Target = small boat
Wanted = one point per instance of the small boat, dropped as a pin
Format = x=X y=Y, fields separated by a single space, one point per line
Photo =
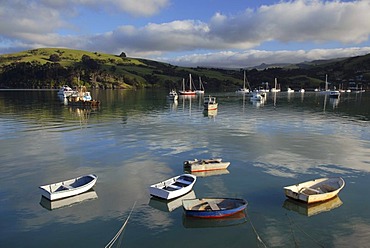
x=210 y=103
x=69 y=187
x=205 y=164
x=334 y=94
x=232 y=220
x=173 y=187
x=65 y=91
x=257 y=96
x=173 y=95
x=289 y=90
x=213 y=207
x=317 y=190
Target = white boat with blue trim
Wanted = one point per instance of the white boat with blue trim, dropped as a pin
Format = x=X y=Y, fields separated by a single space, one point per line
x=173 y=187
x=69 y=187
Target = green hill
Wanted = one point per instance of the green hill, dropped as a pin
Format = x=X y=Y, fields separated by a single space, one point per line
x=53 y=67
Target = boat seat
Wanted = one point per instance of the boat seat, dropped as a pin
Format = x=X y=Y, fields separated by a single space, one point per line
x=213 y=206
x=183 y=181
x=67 y=187
x=174 y=186
x=310 y=191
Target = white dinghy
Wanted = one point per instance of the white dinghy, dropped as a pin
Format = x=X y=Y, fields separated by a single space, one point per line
x=173 y=187
x=68 y=188
x=317 y=190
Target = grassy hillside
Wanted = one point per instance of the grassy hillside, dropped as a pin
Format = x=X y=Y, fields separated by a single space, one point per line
x=53 y=67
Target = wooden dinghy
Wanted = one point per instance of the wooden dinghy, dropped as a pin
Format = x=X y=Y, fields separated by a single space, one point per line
x=68 y=188
x=173 y=187
x=213 y=207
x=317 y=190
x=206 y=164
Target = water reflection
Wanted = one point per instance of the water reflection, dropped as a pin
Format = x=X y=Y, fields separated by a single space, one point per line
x=312 y=209
x=210 y=113
x=67 y=202
x=208 y=173
x=169 y=206
x=233 y=220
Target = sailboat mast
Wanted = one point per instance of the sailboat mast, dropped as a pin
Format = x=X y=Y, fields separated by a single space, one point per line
x=190 y=81
x=244 y=80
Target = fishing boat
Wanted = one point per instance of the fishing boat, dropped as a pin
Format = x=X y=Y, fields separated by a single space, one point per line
x=173 y=187
x=189 y=91
x=173 y=95
x=210 y=103
x=316 y=190
x=205 y=164
x=69 y=187
x=213 y=207
x=65 y=91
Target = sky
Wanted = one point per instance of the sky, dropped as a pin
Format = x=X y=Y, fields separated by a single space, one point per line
x=206 y=33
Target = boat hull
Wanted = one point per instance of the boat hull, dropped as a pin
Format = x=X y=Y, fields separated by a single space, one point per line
x=174 y=187
x=213 y=207
x=68 y=188
x=317 y=190
x=206 y=165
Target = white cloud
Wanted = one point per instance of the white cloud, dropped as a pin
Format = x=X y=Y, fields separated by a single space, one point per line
x=224 y=40
x=232 y=59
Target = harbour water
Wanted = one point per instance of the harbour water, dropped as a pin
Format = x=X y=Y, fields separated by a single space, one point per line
x=137 y=138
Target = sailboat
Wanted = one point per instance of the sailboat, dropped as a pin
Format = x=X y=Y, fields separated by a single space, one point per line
x=275 y=89
x=187 y=92
x=243 y=90
x=201 y=87
x=332 y=93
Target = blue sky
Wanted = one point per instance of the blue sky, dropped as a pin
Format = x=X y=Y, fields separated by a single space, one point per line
x=213 y=33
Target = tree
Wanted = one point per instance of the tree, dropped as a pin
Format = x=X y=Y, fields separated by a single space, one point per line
x=54 y=58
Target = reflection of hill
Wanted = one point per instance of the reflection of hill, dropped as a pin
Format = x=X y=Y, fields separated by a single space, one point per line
x=312 y=209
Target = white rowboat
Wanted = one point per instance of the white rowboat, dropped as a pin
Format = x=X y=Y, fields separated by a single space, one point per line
x=68 y=188
x=173 y=187
x=317 y=190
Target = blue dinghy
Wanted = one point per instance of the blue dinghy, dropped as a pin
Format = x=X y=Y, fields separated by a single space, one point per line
x=213 y=207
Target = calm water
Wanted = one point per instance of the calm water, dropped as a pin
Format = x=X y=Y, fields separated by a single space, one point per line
x=138 y=138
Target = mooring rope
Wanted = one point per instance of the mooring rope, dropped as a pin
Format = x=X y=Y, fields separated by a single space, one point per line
x=110 y=244
x=254 y=229
x=309 y=236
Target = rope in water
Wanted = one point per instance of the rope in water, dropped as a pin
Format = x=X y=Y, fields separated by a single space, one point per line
x=110 y=244
x=254 y=229
x=305 y=233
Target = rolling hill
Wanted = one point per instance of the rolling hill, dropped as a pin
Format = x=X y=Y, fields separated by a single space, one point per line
x=53 y=67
